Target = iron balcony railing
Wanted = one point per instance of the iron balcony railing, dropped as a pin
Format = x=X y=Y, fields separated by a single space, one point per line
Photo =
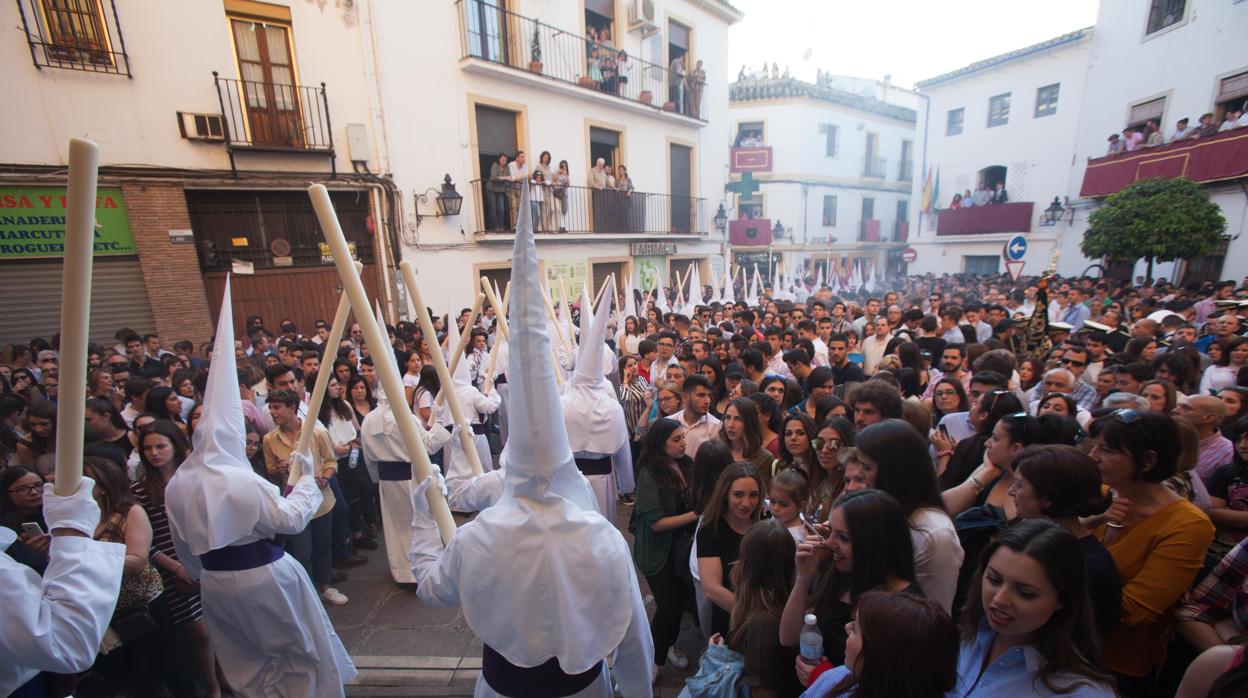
x=491 y=33
x=906 y=173
x=82 y=35
x=583 y=210
x=873 y=167
x=272 y=116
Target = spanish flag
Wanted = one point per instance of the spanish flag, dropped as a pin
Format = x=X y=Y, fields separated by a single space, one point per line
x=928 y=199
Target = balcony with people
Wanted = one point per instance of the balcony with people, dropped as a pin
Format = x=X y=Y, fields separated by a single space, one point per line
x=750 y=152
x=586 y=62
x=564 y=211
x=987 y=210
x=1215 y=149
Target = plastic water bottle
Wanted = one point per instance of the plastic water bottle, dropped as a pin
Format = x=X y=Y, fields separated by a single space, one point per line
x=353 y=460
x=811 y=640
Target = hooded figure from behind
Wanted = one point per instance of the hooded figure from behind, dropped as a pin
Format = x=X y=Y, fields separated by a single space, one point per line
x=543 y=579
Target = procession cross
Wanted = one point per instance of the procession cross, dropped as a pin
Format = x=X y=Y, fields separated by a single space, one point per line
x=745 y=188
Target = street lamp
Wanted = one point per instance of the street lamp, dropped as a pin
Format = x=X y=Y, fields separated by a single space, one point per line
x=778 y=230
x=1055 y=211
x=448 y=200
x=721 y=219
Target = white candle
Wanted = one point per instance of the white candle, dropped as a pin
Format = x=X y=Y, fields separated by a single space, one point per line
x=461 y=344
x=322 y=380
x=84 y=165
x=387 y=372
x=439 y=364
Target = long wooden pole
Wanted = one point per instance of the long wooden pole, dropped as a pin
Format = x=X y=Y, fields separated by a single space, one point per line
x=598 y=296
x=550 y=311
x=84 y=166
x=500 y=316
x=461 y=344
x=567 y=313
x=387 y=372
x=322 y=381
x=439 y=364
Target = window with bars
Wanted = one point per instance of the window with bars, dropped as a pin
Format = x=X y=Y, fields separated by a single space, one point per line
x=953 y=125
x=830 y=144
x=999 y=110
x=1165 y=13
x=1046 y=100
x=82 y=35
x=829 y=210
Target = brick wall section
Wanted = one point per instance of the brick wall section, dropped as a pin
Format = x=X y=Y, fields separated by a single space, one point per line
x=175 y=288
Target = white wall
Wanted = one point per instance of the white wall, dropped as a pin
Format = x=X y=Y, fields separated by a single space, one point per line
x=1035 y=150
x=803 y=173
x=1184 y=63
x=427 y=101
x=134 y=120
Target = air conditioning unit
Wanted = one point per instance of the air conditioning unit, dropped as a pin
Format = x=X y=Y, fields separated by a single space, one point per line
x=641 y=16
x=201 y=127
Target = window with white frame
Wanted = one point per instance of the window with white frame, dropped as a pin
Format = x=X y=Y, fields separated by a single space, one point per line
x=1046 y=100
x=999 y=110
x=829 y=210
x=953 y=126
x=1164 y=13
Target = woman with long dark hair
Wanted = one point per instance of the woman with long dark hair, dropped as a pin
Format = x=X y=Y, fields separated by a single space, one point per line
x=713 y=369
x=742 y=434
x=867 y=546
x=105 y=425
x=954 y=466
x=21 y=503
x=162 y=448
x=761 y=581
x=360 y=396
x=734 y=506
x=1061 y=483
x=1225 y=370
x=146 y=661
x=893 y=457
x=796 y=432
x=662 y=526
x=164 y=403
x=832 y=438
x=1157 y=538
x=352 y=483
x=948 y=396
x=891 y=630
x=1028 y=631
x=38 y=450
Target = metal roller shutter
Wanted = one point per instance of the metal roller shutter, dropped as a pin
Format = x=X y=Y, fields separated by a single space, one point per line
x=31 y=304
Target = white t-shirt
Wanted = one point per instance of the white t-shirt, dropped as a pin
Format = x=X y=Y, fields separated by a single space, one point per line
x=937 y=554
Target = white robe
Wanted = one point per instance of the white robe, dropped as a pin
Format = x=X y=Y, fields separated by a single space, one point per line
x=381 y=440
x=268 y=625
x=461 y=565
x=55 y=623
x=473 y=402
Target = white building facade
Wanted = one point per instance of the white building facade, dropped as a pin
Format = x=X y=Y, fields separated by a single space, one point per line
x=1011 y=119
x=834 y=170
x=1168 y=60
x=1143 y=60
x=474 y=88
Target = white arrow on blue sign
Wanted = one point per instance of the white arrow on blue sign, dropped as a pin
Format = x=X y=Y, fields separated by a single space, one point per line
x=1016 y=248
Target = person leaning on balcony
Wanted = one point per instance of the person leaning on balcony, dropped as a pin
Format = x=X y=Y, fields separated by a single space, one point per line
x=1115 y=145
x=999 y=196
x=598 y=174
x=1181 y=130
x=496 y=194
x=623 y=70
x=1152 y=134
x=561 y=181
x=697 y=81
x=676 y=83
x=518 y=173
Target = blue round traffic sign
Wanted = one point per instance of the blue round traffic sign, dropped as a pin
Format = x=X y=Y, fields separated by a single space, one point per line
x=1015 y=248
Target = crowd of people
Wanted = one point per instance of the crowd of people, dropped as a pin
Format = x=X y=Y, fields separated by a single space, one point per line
x=1002 y=496
x=1149 y=135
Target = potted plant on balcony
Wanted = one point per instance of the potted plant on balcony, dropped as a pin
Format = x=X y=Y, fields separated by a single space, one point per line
x=646 y=97
x=535 y=53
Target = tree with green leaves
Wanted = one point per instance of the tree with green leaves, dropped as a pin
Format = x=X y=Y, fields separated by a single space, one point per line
x=1157 y=219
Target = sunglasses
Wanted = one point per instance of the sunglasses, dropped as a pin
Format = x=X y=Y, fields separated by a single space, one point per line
x=819 y=444
x=1073 y=362
x=1126 y=415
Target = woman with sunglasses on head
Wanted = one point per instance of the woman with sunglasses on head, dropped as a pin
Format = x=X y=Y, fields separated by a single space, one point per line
x=890 y=630
x=867 y=546
x=1157 y=538
x=894 y=458
x=1028 y=631
x=1062 y=484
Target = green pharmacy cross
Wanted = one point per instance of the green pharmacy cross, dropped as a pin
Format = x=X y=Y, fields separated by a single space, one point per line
x=745 y=188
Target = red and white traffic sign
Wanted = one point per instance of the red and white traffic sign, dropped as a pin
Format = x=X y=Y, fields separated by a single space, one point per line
x=909 y=254
x=1015 y=269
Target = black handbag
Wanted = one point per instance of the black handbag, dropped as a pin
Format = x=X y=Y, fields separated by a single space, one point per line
x=133 y=622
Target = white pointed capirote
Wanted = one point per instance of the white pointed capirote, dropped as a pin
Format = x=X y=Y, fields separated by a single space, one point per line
x=751 y=294
x=630 y=303
x=730 y=294
x=695 y=289
x=660 y=300
x=540 y=575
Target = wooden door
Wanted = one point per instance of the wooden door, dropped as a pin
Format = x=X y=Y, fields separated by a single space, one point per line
x=268 y=83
